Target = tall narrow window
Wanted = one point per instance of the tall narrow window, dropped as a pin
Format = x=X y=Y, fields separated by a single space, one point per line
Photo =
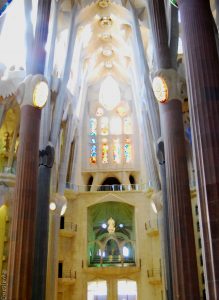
x=93 y=154
x=127 y=125
x=116 y=151
x=127 y=150
x=105 y=150
x=109 y=95
x=127 y=289
x=93 y=126
x=104 y=126
x=97 y=290
x=116 y=126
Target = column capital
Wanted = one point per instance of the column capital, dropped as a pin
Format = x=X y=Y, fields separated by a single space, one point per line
x=30 y=88
x=58 y=203
x=173 y=85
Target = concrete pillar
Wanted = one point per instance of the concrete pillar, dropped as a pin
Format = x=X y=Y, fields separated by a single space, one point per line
x=181 y=233
x=56 y=205
x=202 y=66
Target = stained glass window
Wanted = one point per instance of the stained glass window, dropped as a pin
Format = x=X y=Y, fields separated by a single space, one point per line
x=127 y=125
x=93 y=126
x=109 y=95
x=116 y=125
x=122 y=109
x=116 y=151
x=104 y=126
x=93 y=140
x=99 y=112
x=93 y=153
x=105 y=150
x=127 y=150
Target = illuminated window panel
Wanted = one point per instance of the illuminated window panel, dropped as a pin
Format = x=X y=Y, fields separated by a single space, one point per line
x=109 y=95
x=97 y=290
x=116 y=151
x=127 y=289
x=105 y=152
x=127 y=125
x=127 y=150
x=93 y=126
x=93 y=154
x=93 y=140
x=104 y=126
x=122 y=109
x=99 y=112
x=116 y=125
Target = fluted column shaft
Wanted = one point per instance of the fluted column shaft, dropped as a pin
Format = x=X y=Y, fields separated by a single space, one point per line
x=181 y=233
x=183 y=252
x=21 y=252
x=202 y=66
x=159 y=31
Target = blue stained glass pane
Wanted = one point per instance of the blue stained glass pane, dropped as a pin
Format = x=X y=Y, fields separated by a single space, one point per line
x=93 y=154
x=93 y=140
x=93 y=126
x=4 y=5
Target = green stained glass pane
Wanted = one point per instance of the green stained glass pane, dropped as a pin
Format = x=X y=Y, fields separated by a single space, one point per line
x=174 y=2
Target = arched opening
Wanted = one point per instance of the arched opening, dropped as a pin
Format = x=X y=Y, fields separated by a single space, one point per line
x=128 y=253
x=89 y=183
x=111 y=234
x=132 y=181
x=62 y=222
x=112 y=253
x=110 y=184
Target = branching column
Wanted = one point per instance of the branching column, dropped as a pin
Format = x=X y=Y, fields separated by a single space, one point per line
x=21 y=253
x=182 y=243
x=202 y=66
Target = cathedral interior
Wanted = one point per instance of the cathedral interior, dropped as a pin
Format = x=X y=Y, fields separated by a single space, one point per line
x=109 y=150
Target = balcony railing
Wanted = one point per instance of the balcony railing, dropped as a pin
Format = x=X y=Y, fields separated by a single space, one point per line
x=115 y=187
x=111 y=260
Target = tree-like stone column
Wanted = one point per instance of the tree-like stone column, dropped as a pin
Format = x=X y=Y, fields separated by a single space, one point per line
x=21 y=254
x=181 y=233
x=202 y=66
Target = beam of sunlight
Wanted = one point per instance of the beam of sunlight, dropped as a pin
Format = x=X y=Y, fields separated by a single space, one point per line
x=12 y=38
